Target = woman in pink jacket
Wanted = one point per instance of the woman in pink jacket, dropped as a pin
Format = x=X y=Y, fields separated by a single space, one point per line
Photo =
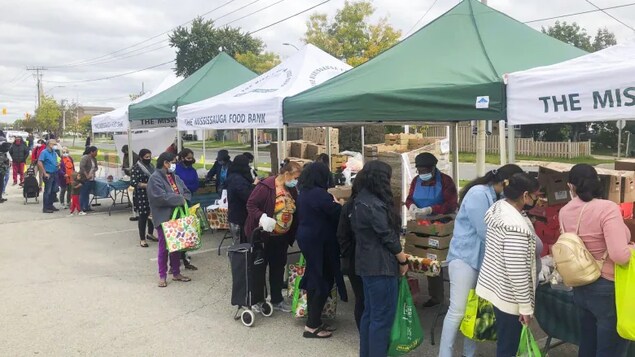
x=607 y=238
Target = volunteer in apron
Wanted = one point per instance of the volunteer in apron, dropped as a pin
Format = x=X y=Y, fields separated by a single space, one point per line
x=431 y=193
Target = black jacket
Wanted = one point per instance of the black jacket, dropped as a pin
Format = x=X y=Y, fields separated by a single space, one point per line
x=238 y=191
x=215 y=172
x=19 y=153
x=377 y=242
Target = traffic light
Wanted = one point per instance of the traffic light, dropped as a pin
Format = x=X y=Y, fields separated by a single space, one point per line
x=4 y=111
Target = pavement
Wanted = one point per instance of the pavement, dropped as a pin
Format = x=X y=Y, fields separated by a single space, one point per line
x=82 y=286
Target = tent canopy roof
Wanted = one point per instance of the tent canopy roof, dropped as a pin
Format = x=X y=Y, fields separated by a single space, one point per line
x=217 y=76
x=436 y=74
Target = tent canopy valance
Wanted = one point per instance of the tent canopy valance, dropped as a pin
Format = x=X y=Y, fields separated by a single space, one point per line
x=595 y=87
x=117 y=120
x=257 y=104
x=217 y=76
x=451 y=69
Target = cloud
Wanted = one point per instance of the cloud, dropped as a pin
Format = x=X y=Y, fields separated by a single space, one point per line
x=56 y=33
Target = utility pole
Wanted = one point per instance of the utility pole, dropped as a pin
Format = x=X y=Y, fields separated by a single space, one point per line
x=38 y=76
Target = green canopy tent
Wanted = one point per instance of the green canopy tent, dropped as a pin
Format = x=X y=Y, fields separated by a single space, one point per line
x=450 y=70
x=219 y=75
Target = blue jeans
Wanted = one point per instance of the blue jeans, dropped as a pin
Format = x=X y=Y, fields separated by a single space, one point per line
x=84 y=195
x=508 y=330
x=380 y=306
x=598 y=320
x=50 y=191
x=6 y=179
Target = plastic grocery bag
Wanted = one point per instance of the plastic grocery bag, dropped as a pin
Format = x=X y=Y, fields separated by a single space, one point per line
x=182 y=231
x=479 y=322
x=300 y=299
x=406 y=333
x=528 y=346
x=197 y=211
x=624 y=302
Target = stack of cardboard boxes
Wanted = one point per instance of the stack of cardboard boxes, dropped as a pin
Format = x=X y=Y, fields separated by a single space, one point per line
x=429 y=237
x=304 y=151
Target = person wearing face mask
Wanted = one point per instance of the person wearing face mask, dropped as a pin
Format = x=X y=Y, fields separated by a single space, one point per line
x=219 y=169
x=431 y=193
x=35 y=154
x=186 y=171
x=509 y=275
x=48 y=165
x=166 y=191
x=125 y=166
x=467 y=247
x=19 y=153
x=88 y=170
x=139 y=176
x=271 y=205
x=250 y=157
x=67 y=169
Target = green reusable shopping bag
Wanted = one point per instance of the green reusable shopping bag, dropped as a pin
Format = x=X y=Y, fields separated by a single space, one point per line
x=528 y=346
x=299 y=305
x=182 y=231
x=624 y=302
x=479 y=322
x=406 y=333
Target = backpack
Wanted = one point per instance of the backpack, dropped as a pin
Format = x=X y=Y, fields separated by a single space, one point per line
x=572 y=259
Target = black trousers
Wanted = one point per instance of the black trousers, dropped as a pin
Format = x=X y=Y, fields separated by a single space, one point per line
x=276 y=258
x=358 y=290
x=436 y=289
x=315 y=305
x=143 y=222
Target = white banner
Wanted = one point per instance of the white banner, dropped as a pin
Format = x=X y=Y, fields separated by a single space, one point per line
x=257 y=104
x=595 y=87
x=155 y=140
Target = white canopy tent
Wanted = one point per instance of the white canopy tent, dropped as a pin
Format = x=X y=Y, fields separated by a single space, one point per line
x=595 y=87
x=257 y=104
x=117 y=120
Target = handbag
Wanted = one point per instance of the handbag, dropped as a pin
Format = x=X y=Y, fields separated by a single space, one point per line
x=624 y=303
x=182 y=231
x=406 y=333
x=300 y=299
x=479 y=321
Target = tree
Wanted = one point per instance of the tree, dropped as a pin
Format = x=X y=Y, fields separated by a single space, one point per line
x=349 y=36
x=572 y=34
x=603 y=39
x=259 y=63
x=47 y=115
x=197 y=45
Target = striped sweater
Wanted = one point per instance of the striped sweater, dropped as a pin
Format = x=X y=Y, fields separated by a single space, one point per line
x=508 y=275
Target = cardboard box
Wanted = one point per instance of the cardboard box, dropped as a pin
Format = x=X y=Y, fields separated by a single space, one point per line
x=337 y=161
x=628 y=189
x=429 y=241
x=341 y=192
x=298 y=149
x=555 y=187
x=300 y=161
x=430 y=253
x=625 y=165
x=612 y=188
x=436 y=228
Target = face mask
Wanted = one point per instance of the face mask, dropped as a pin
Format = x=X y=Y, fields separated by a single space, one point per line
x=527 y=207
x=291 y=184
x=188 y=162
x=146 y=161
x=65 y=154
x=38 y=145
x=172 y=167
x=426 y=177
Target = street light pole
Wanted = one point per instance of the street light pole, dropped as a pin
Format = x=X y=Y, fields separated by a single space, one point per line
x=292 y=45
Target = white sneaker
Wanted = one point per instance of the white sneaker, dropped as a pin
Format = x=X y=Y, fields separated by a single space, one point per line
x=282 y=306
x=256 y=308
x=82 y=213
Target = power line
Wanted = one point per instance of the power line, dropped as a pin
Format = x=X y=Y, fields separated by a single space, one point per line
x=142 y=42
x=253 y=13
x=113 y=76
x=289 y=17
x=609 y=15
x=421 y=18
x=579 y=13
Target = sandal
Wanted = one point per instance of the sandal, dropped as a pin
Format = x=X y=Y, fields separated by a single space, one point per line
x=143 y=244
x=163 y=283
x=329 y=328
x=181 y=278
x=316 y=333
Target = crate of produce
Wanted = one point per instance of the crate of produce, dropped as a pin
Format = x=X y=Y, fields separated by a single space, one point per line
x=442 y=225
x=430 y=253
x=428 y=241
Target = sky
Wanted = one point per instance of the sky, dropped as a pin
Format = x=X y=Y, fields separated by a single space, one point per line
x=75 y=39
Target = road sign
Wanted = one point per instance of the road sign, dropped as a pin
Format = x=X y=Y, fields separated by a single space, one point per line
x=620 y=124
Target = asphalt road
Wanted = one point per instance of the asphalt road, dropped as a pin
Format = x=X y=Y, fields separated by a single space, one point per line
x=82 y=286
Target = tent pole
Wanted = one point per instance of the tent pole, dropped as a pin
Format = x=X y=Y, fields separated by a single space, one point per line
x=511 y=144
x=179 y=141
x=280 y=143
x=619 y=141
x=363 y=140
x=284 y=135
x=406 y=129
x=328 y=146
x=501 y=142
x=480 y=147
x=130 y=163
x=204 y=153
x=454 y=146
x=255 y=141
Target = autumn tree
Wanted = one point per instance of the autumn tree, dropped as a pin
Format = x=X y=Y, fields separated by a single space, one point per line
x=198 y=44
x=47 y=115
x=350 y=35
x=259 y=63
